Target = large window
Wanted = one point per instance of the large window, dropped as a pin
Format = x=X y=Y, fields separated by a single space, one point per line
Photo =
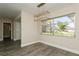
x=62 y=26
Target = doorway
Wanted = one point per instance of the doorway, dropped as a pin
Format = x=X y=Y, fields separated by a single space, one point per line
x=6 y=31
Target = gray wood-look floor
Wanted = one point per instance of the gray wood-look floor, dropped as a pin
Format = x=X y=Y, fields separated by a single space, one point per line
x=37 y=49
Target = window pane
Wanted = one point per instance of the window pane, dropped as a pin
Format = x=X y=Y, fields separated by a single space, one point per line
x=64 y=26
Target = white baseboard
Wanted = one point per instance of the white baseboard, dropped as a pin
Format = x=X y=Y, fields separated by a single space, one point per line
x=1 y=39
x=16 y=39
x=57 y=46
x=23 y=45
x=63 y=48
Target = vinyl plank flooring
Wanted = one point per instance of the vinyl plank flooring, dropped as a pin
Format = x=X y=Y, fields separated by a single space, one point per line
x=37 y=49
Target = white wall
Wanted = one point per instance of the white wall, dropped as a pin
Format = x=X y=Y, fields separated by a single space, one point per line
x=29 y=31
x=1 y=37
x=71 y=44
x=17 y=29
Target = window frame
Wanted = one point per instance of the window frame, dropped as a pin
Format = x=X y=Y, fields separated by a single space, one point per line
x=53 y=22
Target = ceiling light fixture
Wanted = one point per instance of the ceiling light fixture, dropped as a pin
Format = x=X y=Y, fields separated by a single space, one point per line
x=40 y=5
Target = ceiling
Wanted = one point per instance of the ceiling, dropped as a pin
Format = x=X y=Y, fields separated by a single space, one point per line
x=11 y=10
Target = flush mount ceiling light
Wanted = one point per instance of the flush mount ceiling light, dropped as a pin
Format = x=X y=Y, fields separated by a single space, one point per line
x=40 y=5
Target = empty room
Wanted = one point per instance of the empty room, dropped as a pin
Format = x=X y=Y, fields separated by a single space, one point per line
x=39 y=29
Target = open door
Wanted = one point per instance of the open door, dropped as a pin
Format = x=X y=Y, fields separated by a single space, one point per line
x=7 y=31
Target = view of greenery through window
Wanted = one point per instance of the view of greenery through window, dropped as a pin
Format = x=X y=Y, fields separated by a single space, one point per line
x=63 y=26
